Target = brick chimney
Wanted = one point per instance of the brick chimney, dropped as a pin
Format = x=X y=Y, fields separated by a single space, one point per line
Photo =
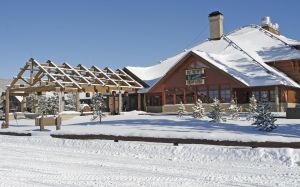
x=216 y=25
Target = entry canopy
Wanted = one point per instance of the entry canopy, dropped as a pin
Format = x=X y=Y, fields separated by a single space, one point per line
x=37 y=77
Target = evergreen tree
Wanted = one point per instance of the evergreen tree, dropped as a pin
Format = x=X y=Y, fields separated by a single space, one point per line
x=252 y=108
x=264 y=120
x=181 y=110
x=48 y=105
x=30 y=102
x=98 y=105
x=216 y=113
x=233 y=110
x=70 y=102
x=198 y=110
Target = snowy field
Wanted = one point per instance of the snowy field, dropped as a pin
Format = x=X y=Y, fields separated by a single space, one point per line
x=167 y=126
x=44 y=161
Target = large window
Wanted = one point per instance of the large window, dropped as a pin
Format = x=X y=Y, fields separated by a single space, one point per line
x=264 y=95
x=256 y=95
x=225 y=94
x=190 y=95
x=213 y=93
x=169 y=96
x=179 y=95
x=154 y=100
x=202 y=93
x=272 y=95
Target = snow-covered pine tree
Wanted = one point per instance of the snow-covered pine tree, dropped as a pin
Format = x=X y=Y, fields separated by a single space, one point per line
x=70 y=102
x=181 y=110
x=198 y=110
x=30 y=102
x=216 y=113
x=264 y=120
x=233 y=110
x=98 y=106
x=48 y=105
x=252 y=108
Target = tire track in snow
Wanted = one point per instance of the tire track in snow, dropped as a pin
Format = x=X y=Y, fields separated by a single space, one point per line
x=102 y=163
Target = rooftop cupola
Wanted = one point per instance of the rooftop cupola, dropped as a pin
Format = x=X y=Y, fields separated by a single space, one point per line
x=216 y=25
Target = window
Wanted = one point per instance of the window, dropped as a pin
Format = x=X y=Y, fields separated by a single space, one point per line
x=272 y=95
x=87 y=95
x=170 y=96
x=225 y=94
x=256 y=95
x=190 y=95
x=179 y=95
x=213 y=93
x=194 y=76
x=264 y=95
x=202 y=93
x=154 y=100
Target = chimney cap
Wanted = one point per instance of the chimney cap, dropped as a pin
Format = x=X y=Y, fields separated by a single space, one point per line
x=215 y=13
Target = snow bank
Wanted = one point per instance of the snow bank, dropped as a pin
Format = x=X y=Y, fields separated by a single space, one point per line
x=44 y=161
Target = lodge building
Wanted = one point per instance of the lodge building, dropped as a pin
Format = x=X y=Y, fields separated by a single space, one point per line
x=251 y=60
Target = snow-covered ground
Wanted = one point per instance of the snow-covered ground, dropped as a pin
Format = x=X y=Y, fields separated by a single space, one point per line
x=44 y=161
x=168 y=126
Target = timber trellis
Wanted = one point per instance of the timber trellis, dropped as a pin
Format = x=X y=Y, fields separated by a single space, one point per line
x=36 y=78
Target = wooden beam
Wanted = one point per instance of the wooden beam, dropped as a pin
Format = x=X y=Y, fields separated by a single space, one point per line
x=66 y=75
x=19 y=75
x=37 y=78
x=47 y=73
x=76 y=72
x=77 y=101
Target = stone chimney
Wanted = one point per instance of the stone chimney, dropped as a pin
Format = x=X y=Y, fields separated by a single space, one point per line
x=267 y=24
x=216 y=25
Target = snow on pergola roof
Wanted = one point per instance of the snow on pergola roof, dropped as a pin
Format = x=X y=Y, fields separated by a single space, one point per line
x=49 y=76
x=241 y=53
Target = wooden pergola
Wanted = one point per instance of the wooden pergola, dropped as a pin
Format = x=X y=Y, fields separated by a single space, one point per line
x=36 y=78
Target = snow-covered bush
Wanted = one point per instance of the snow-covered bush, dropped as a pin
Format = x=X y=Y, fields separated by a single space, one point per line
x=252 y=108
x=264 y=119
x=216 y=113
x=181 y=110
x=234 y=110
x=98 y=105
x=70 y=102
x=198 y=110
x=48 y=104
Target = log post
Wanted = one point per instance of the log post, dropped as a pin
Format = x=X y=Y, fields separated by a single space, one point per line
x=278 y=108
x=61 y=102
x=139 y=102
x=145 y=103
x=7 y=108
x=23 y=104
x=120 y=102
x=77 y=101
x=35 y=103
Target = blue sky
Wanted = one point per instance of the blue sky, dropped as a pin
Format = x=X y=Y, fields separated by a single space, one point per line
x=124 y=32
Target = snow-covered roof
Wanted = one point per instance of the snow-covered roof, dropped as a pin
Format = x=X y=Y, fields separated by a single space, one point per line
x=241 y=53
